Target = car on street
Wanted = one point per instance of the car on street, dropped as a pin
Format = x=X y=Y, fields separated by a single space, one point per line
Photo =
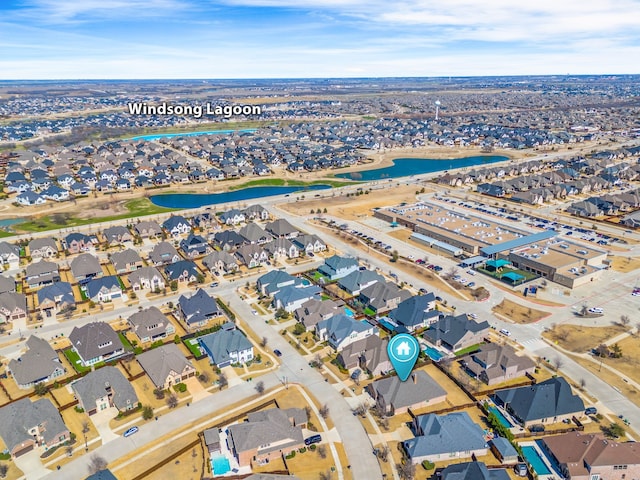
x=214 y=284
x=254 y=312
x=130 y=431
x=277 y=352
x=506 y=332
x=473 y=315
x=471 y=284
x=590 y=411
x=596 y=310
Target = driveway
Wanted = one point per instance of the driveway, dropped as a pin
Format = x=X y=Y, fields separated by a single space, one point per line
x=101 y=422
x=31 y=465
x=195 y=388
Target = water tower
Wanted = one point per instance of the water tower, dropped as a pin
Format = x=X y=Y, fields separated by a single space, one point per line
x=437 y=109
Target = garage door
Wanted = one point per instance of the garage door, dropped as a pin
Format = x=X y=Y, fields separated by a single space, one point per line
x=24 y=450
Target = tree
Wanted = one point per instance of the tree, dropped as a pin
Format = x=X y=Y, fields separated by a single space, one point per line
x=616 y=351
x=147 y=412
x=322 y=451
x=40 y=389
x=203 y=377
x=317 y=361
x=68 y=450
x=394 y=256
x=614 y=430
x=263 y=342
x=173 y=285
x=558 y=362
x=361 y=409
x=625 y=320
x=172 y=401
x=222 y=380
x=260 y=387
x=85 y=430
x=383 y=453
x=406 y=470
x=97 y=464
x=583 y=383
x=4 y=469
x=324 y=411
x=326 y=475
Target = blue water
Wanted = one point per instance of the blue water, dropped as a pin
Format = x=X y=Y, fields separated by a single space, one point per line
x=533 y=457
x=348 y=312
x=156 y=136
x=196 y=200
x=220 y=465
x=306 y=282
x=7 y=222
x=387 y=325
x=503 y=420
x=404 y=167
x=433 y=354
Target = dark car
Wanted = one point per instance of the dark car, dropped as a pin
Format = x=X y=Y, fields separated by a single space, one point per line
x=277 y=352
x=536 y=428
x=591 y=411
x=312 y=439
x=521 y=469
x=130 y=431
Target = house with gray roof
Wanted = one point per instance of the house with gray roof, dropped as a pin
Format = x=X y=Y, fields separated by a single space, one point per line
x=166 y=365
x=252 y=255
x=444 y=437
x=164 y=253
x=383 y=296
x=85 y=267
x=225 y=347
x=314 y=310
x=41 y=273
x=228 y=240
x=104 y=388
x=274 y=280
x=337 y=267
x=95 y=342
x=9 y=255
x=282 y=228
x=77 y=242
x=309 y=243
x=503 y=450
x=262 y=440
x=25 y=425
x=220 y=261
x=256 y=212
x=39 y=364
x=456 y=332
x=253 y=233
x=293 y=297
x=367 y=354
x=394 y=396
x=232 y=217
x=494 y=364
x=415 y=312
x=104 y=289
x=7 y=284
x=341 y=330
x=146 y=278
x=357 y=281
x=126 y=261
x=194 y=246
x=198 y=309
x=13 y=306
x=473 y=471
x=117 y=234
x=43 y=248
x=150 y=325
x=182 y=271
x=148 y=229
x=551 y=401
x=282 y=247
x=55 y=297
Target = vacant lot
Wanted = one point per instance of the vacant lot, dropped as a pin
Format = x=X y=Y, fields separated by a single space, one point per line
x=625 y=264
x=579 y=339
x=518 y=313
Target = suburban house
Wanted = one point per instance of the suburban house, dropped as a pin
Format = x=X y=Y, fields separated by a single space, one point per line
x=182 y=271
x=25 y=425
x=164 y=253
x=220 y=261
x=212 y=440
x=95 y=342
x=226 y=346
x=78 y=242
x=194 y=246
x=252 y=233
x=41 y=273
x=84 y=267
x=9 y=255
x=382 y=296
x=292 y=297
x=309 y=243
x=357 y=281
x=473 y=471
x=268 y=436
x=176 y=225
x=282 y=247
x=148 y=229
x=342 y=330
x=252 y=255
x=43 y=248
x=495 y=364
x=314 y=310
x=415 y=313
x=39 y=364
x=7 y=284
x=503 y=450
x=394 y=396
x=13 y=306
x=445 y=437
x=281 y=228
x=337 y=267
x=588 y=457
x=104 y=289
x=197 y=309
x=117 y=235
x=146 y=278
x=551 y=401
x=150 y=325
x=256 y=212
x=228 y=240
x=456 y=333
x=274 y=280
x=126 y=261
x=56 y=297
x=166 y=365
x=104 y=388
x=232 y=217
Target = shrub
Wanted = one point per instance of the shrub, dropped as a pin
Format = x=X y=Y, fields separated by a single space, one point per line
x=313 y=447
x=291 y=455
x=180 y=387
x=78 y=409
x=427 y=465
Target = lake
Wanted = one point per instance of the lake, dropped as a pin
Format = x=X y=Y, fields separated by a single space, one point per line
x=156 y=136
x=6 y=223
x=404 y=167
x=196 y=200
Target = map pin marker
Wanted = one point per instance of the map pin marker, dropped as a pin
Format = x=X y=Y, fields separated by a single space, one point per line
x=403 y=351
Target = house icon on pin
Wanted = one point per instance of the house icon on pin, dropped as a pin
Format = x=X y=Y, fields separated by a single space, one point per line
x=403 y=350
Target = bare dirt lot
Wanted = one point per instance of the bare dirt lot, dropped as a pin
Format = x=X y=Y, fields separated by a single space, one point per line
x=579 y=339
x=625 y=264
x=518 y=313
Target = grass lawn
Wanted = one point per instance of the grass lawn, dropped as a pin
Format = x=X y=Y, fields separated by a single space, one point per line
x=518 y=313
x=137 y=207
x=194 y=347
x=125 y=341
x=74 y=360
x=579 y=339
x=470 y=349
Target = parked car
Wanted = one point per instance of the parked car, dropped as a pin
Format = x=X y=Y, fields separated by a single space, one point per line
x=214 y=284
x=277 y=352
x=596 y=310
x=521 y=469
x=591 y=411
x=130 y=431
x=471 y=284
x=312 y=439
x=536 y=428
x=506 y=332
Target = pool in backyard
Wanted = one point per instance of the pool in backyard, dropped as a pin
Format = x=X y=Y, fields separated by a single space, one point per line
x=220 y=465
x=348 y=312
x=503 y=420
x=533 y=457
x=433 y=353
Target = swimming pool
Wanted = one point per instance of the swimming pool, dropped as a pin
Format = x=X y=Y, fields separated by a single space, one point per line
x=533 y=457
x=433 y=354
x=348 y=312
x=503 y=420
x=220 y=465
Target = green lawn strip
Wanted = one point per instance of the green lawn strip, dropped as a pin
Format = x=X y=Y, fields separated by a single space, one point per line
x=470 y=349
x=4 y=233
x=138 y=207
x=125 y=341
x=193 y=348
x=74 y=359
x=280 y=182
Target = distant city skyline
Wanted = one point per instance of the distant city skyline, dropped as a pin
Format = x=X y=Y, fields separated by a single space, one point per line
x=156 y=39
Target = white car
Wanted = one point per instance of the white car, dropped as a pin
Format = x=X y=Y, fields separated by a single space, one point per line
x=473 y=315
x=254 y=312
x=506 y=332
x=596 y=310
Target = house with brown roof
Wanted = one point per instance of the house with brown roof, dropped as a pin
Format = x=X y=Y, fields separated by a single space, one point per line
x=589 y=457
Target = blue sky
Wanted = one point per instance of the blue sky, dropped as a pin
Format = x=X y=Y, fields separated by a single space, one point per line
x=69 y=39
